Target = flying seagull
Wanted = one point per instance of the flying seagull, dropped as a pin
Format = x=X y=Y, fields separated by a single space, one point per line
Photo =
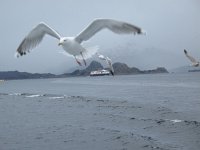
x=108 y=61
x=193 y=60
x=73 y=45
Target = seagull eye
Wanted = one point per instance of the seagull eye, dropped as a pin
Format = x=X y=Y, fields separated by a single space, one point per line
x=65 y=40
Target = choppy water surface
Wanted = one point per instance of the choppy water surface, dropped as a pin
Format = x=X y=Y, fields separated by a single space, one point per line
x=160 y=111
x=137 y=86
x=177 y=89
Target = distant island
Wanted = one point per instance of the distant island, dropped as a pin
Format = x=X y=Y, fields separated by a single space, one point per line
x=120 y=69
x=185 y=69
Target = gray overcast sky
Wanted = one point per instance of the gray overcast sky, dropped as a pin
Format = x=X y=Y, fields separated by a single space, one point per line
x=171 y=26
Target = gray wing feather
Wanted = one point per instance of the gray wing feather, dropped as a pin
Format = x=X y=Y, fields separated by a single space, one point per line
x=115 y=26
x=35 y=37
x=192 y=59
x=109 y=61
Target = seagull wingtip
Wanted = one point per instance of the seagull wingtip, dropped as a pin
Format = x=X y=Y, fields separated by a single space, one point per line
x=185 y=51
x=112 y=73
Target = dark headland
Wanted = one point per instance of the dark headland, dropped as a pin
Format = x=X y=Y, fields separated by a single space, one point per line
x=120 y=69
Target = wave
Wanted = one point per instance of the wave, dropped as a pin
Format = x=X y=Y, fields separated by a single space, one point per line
x=176 y=121
x=57 y=97
x=15 y=94
x=34 y=95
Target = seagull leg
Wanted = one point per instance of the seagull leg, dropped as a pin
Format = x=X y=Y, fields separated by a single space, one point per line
x=78 y=61
x=83 y=58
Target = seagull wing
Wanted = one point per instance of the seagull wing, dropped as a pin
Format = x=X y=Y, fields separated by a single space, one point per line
x=35 y=37
x=109 y=61
x=115 y=26
x=193 y=60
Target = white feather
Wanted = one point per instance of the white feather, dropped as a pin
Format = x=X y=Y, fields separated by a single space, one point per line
x=115 y=26
x=195 y=63
x=35 y=37
x=73 y=45
x=107 y=60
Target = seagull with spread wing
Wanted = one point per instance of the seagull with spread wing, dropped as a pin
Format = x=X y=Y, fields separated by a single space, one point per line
x=73 y=45
x=108 y=61
x=192 y=59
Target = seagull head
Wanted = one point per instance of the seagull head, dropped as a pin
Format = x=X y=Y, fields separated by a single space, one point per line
x=62 y=41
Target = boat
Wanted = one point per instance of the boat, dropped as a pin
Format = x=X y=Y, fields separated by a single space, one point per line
x=102 y=72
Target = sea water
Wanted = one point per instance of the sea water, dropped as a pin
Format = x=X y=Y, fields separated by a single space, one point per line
x=165 y=108
x=130 y=87
x=181 y=91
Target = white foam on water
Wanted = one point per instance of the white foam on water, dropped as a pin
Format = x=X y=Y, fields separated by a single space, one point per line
x=15 y=94
x=176 y=121
x=57 y=97
x=32 y=96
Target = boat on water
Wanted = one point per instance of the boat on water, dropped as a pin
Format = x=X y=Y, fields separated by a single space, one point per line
x=102 y=72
